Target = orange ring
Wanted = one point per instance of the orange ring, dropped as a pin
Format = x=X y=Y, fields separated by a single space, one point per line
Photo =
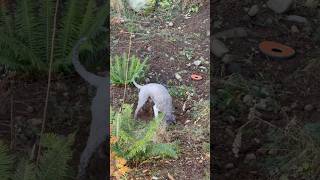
x=196 y=77
x=276 y=50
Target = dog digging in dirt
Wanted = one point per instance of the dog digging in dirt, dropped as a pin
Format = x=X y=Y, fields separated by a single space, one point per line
x=160 y=97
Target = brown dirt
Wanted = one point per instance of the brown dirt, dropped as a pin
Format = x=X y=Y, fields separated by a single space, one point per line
x=277 y=73
x=68 y=110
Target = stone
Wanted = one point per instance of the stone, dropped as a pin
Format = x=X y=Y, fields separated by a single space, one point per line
x=197 y=62
x=170 y=24
x=250 y=157
x=35 y=121
x=234 y=68
x=248 y=99
x=229 y=166
x=228 y=58
x=280 y=6
x=298 y=19
x=294 y=29
x=237 y=32
x=178 y=76
x=253 y=10
x=309 y=107
x=218 y=48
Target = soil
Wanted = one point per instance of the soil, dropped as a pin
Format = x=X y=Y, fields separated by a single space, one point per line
x=291 y=85
x=68 y=111
x=162 y=45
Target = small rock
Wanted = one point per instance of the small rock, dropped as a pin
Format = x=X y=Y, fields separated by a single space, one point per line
x=298 y=19
x=294 y=29
x=248 y=99
x=30 y=109
x=238 y=32
x=262 y=151
x=177 y=76
x=231 y=119
x=229 y=166
x=294 y=105
x=170 y=24
x=149 y=48
x=228 y=58
x=179 y=28
x=208 y=33
x=272 y=152
x=189 y=64
x=309 y=107
x=35 y=121
x=250 y=157
x=262 y=105
x=253 y=10
x=234 y=68
x=280 y=6
x=171 y=59
x=218 y=48
x=197 y=62
x=147 y=80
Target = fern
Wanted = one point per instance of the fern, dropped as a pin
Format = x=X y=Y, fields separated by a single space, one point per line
x=25 y=171
x=118 y=67
x=135 y=139
x=163 y=150
x=31 y=26
x=5 y=162
x=53 y=164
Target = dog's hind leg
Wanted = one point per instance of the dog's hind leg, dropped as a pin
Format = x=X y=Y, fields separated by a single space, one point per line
x=155 y=111
x=142 y=99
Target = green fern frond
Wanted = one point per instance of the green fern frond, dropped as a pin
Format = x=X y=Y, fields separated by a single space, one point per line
x=163 y=150
x=54 y=161
x=5 y=21
x=25 y=171
x=6 y=162
x=141 y=145
x=25 y=20
x=47 y=9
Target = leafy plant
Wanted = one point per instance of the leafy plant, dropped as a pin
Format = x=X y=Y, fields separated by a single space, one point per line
x=181 y=91
x=298 y=152
x=135 y=140
x=26 y=33
x=124 y=69
x=53 y=163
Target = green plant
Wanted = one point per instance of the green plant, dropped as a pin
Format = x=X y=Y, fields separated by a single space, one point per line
x=26 y=33
x=194 y=8
x=298 y=152
x=135 y=140
x=53 y=162
x=181 y=91
x=124 y=69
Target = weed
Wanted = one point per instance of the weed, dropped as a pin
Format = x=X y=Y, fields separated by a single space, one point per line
x=181 y=91
x=188 y=53
x=124 y=69
x=298 y=151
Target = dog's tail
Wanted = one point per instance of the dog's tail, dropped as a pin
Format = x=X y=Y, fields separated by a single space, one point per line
x=136 y=84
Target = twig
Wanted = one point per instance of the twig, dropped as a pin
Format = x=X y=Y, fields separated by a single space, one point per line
x=12 y=119
x=125 y=83
x=49 y=81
